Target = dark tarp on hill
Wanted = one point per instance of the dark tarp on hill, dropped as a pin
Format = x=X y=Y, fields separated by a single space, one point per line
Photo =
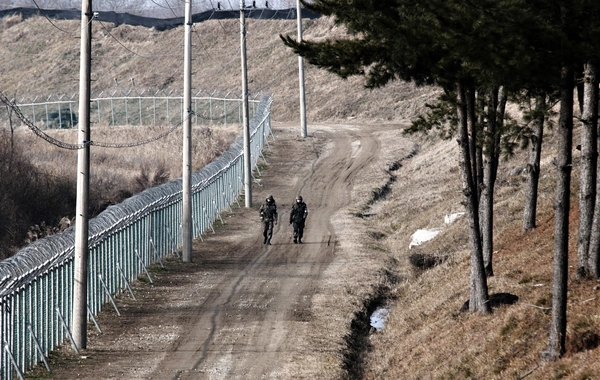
x=161 y=23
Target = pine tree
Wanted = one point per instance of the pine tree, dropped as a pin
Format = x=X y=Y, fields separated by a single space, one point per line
x=459 y=46
x=469 y=47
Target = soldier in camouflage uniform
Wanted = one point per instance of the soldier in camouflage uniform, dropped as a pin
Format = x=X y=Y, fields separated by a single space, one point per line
x=268 y=215
x=297 y=218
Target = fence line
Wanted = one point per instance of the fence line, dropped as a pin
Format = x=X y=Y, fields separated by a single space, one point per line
x=36 y=285
x=163 y=23
x=130 y=107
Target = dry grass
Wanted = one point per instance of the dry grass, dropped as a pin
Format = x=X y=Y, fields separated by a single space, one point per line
x=117 y=173
x=38 y=59
x=425 y=336
x=208 y=143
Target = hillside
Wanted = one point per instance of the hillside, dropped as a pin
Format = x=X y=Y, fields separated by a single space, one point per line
x=426 y=337
x=40 y=58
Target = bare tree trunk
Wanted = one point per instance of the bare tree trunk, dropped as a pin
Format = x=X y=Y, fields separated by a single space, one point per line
x=479 y=163
x=489 y=179
x=594 y=245
x=479 y=145
x=589 y=159
x=533 y=166
x=558 y=323
x=472 y=130
x=479 y=171
x=478 y=298
x=500 y=113
x=594 y=251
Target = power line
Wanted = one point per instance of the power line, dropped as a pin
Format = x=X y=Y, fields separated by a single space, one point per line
x=193 y=26
x=56 y=26
x=169 y=7
x=36 y=130
x=201 y=43
x=61 y=144
x=276 y=76
x=131 y=51
x=141 y=142
x=220 y=23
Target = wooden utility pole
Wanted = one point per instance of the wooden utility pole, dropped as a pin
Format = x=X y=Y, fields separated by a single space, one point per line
x=301 y=73
x=80 y=287
x=187 y=137
x=247 y=160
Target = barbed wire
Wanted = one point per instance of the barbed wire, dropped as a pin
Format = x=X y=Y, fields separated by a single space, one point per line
x=61 y=144
x=223 y=116
x=36 y=130
x=141 y=142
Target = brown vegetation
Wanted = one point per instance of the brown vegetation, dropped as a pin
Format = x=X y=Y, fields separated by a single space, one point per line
x=425 y=336
x=30 y=197
x=45 y=179
x=39 y=58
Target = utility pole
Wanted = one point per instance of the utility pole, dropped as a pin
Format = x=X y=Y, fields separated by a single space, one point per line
x=80 y=287
x=187 y=137
x=247 y=161
x=301 y=72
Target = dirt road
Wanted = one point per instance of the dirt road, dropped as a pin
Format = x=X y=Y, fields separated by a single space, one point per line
x=245 y=310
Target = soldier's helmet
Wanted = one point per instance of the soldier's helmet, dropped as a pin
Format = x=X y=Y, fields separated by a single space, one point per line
x=299 y=198
x=270 y=198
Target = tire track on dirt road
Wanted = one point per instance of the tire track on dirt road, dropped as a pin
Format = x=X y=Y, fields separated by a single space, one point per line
x=246 y=330
x=326 y=197
x=243 y=310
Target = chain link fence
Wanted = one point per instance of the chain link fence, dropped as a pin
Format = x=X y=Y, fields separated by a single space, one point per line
x=36 y=285
x=130 y=107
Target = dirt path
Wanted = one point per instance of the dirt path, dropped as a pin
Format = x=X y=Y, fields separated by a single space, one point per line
x=243 y=310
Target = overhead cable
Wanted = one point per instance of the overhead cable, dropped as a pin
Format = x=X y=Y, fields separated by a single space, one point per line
x=56 y=26
x=61 y=144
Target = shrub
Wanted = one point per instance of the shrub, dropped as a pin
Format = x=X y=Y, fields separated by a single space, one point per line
x=28 y=196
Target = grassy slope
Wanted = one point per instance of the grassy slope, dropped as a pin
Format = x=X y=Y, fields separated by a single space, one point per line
x=425 y=336
x=38 y=59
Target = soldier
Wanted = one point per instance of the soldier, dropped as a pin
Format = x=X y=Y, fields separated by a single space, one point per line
x=297 y=217
x=268 y=215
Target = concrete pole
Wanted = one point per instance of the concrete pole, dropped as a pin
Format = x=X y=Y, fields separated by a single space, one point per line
x=247 y=160
x=301 y=73
x=187 y=138
x=80 y=286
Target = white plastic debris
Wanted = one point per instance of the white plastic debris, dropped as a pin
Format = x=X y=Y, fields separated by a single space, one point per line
x=451 y=218
x=378 y=318
x=421 y=236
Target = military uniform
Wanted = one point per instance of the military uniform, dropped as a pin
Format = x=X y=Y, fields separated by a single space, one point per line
x=268 y=215
x=297 y=218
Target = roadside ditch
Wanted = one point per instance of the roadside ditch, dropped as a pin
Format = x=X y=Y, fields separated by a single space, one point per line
x=371 y=316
